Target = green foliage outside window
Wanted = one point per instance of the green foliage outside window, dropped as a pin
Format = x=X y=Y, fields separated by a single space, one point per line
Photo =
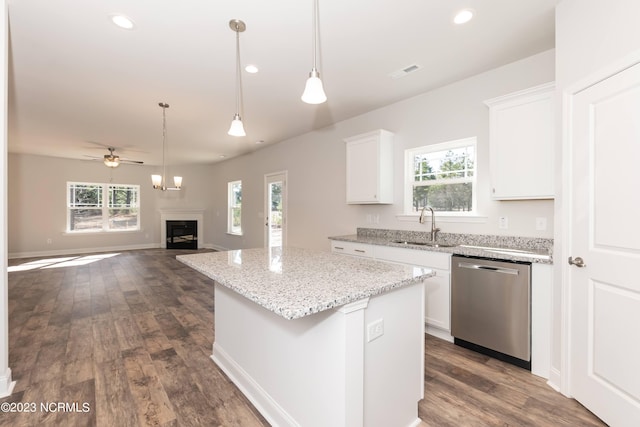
x=444 y=179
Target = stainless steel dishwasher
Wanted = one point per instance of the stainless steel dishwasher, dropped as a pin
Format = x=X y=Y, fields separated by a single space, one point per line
x=491 y=307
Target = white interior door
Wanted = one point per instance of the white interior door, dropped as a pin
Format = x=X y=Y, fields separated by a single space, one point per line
x=604 y=232
x=275 y=209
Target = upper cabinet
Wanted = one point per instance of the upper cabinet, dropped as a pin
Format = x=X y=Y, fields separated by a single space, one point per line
x=370 y=168
x=521 y=149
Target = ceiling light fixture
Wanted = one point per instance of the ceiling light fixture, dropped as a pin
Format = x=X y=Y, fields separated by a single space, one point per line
x=237 y=128
x=111 y=160
x=313 y=90
x=251 y=69
x=122 y=21
x=463 y=16
x=158 y=181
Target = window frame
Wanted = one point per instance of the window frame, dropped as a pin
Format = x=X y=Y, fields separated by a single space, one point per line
x=103 y=206
x=410 y=154
x=231 y=206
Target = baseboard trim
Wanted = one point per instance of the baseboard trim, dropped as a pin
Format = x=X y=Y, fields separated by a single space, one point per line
x=6 y=385
x=76 y=251
x=439 y=333
x=264 y=403
x=554 y=380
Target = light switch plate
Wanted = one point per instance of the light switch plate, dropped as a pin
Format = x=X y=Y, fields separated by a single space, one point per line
x=503 y=222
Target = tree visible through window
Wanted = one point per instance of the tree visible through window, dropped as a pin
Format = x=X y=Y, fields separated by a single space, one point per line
x=235 y=207
x=95 y=207
x=442 y=176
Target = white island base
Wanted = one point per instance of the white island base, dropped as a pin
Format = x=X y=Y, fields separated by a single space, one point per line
x=323 y=369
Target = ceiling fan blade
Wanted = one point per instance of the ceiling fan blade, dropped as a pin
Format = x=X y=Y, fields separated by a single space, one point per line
x=133 y=162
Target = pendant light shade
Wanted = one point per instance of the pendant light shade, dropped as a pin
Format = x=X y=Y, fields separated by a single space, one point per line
x=237 y=128
x=313 y=90
x=158 y=181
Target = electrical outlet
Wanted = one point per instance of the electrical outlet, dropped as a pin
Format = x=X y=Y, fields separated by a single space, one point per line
x=375 y=330
x=503 y=222
x=541 y=223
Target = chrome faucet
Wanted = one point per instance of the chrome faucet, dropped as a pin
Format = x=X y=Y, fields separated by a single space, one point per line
x=434 y=229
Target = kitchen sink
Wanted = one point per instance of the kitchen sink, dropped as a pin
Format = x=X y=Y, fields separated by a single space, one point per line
x=431 y=244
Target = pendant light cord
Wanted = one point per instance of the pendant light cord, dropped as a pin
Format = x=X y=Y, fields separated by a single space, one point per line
x=164 y=147
x=315 y=34
x=238 y=75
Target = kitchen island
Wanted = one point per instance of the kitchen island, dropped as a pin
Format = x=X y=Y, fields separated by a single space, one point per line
x=318 y=339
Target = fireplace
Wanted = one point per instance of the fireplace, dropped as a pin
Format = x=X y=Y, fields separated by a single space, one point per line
x=196 y=215
x=182 y=234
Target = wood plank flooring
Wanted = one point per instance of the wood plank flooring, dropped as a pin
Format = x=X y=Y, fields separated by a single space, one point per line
x=125 y=340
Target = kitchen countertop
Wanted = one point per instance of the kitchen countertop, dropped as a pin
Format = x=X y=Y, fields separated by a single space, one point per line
x=497 y=247
x=294 y=282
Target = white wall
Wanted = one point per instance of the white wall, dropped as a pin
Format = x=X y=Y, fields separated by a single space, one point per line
x=37 y=203
x=316 y=165
x=590 y=34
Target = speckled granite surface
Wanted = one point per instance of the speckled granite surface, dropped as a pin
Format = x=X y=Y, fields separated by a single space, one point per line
x=294 y=283
x=499 y=247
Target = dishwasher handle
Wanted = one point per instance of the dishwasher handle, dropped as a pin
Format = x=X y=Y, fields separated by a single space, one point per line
x=502 y=270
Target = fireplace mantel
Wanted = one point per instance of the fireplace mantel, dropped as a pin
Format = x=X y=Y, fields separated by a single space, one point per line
x=181 y=215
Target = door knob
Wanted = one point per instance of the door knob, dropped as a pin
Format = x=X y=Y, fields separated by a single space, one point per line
x=578 y=262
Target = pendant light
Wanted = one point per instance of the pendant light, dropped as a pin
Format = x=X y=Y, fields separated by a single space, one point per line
x=158 y=181
x=313 y=91
x=237 y=129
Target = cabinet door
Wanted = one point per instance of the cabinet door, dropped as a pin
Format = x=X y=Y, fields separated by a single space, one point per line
x=370 y=168
x=521 y=144
x=438 y=300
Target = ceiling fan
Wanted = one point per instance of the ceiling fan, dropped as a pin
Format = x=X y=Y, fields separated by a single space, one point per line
x=112 y=160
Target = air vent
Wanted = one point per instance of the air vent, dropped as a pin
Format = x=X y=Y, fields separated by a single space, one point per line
x=406 y=70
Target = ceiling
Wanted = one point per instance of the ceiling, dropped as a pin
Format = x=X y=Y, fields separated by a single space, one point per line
x=78 y=83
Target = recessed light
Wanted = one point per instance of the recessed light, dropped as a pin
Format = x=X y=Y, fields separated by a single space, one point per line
x=251 y=69
x=463 y=16
x=122 y=21
x=222 y=156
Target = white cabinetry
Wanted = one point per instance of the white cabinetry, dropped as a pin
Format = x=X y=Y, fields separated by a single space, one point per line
x=521 y=145
x=370 y=168
x=437 y=288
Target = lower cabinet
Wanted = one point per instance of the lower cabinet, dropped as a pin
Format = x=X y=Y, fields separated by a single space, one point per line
x=437 y=288
x=438 y=294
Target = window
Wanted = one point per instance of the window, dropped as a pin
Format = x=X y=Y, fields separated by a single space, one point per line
x=102 y=207
x=442 y=176
x=234 y=225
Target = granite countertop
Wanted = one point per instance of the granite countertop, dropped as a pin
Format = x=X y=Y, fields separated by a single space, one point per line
x=294 y=282
x=510 y=248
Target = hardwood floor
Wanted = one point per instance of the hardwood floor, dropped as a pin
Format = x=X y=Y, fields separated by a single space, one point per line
x=465 y=388
x=125 y=340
